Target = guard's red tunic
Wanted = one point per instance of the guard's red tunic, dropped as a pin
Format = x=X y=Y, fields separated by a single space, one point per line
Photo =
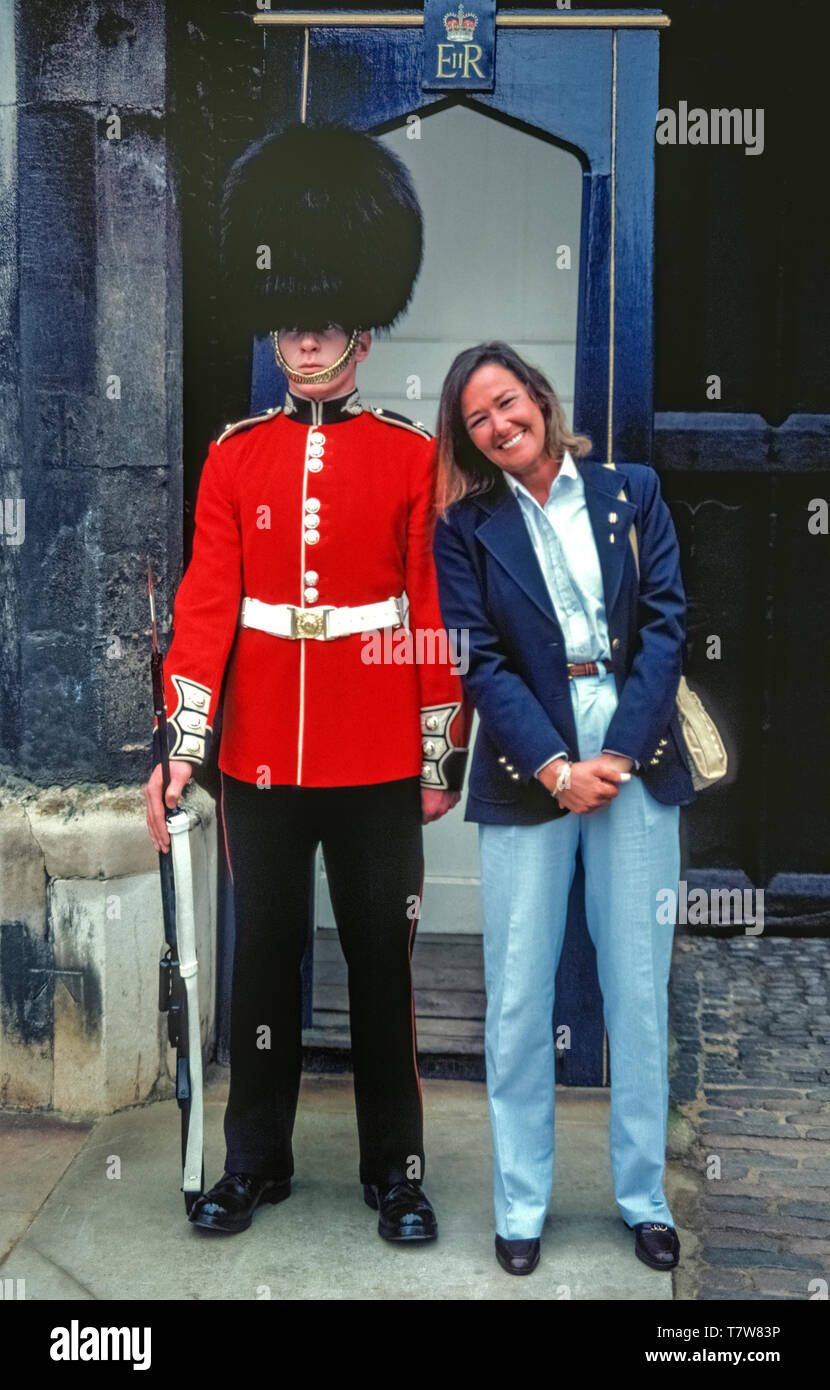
x=319 y=503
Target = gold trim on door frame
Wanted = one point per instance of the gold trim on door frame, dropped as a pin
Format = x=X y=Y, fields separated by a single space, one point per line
x=306 y=18
x=304 y=91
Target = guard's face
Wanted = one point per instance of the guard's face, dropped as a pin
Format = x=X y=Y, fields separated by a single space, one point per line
x=503 y=420
x=310 y=350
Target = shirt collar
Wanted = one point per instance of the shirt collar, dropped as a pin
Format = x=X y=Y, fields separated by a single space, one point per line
x=331 y=412
x=567 y=470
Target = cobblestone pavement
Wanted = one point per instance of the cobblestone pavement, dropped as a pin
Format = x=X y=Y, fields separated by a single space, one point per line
x=750 y=1075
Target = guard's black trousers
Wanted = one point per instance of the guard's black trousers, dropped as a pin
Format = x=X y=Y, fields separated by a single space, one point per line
x=372 y=845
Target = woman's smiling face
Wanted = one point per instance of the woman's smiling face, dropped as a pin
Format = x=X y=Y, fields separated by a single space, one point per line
x=503 y=420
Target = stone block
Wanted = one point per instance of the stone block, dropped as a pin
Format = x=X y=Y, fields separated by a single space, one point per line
x=811 y=1211
x=771 y=1224
x=96 y=832
x=804 y=1177
x=81 y=1031
x=93 y=53
x=744 y=1258
x=726 y=1238
x=681 y=1136
x=26 y=1016
x=721 y=1283
x=809 y=1244
x=717 y=1205
x=21 y=867
x=107 y=1046
x=784 y=1283
x=749 y=1126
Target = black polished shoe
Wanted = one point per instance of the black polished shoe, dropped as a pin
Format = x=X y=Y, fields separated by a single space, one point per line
x=518 y=1256
x=230 y=1205
x=405 y=1212
x=657 y=1246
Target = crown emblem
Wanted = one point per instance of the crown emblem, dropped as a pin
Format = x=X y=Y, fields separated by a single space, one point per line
x=460 y=25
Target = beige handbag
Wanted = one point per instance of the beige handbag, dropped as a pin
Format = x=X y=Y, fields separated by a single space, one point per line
x=707 y=758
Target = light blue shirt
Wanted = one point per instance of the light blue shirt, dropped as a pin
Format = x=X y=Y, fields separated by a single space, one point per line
x=563 y=539
x=563 y=542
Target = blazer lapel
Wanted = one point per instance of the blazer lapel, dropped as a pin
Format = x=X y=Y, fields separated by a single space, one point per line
x=505 y=535
x=611 y=518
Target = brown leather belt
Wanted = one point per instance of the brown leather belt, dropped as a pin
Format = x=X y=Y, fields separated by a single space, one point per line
x=586 y=668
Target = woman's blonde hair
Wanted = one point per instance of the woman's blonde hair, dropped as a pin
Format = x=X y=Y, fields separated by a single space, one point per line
x=462 y=469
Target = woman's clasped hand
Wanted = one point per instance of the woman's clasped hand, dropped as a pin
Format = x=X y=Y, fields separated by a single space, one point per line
x=594 y=782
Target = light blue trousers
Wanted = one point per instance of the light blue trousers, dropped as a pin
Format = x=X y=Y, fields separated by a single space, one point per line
x=630 y=851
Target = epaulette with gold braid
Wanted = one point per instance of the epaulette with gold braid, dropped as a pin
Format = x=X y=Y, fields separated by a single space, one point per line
x=248 y=422
x=392 y=417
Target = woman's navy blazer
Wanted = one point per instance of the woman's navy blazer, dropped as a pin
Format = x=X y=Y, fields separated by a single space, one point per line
x=491 y=586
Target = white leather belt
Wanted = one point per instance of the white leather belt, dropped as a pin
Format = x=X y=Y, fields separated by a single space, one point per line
x=323 y=624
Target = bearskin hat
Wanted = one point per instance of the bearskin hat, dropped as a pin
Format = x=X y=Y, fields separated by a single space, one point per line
x=319 y=224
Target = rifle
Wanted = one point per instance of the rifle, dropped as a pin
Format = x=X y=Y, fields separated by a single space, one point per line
x=178 y=967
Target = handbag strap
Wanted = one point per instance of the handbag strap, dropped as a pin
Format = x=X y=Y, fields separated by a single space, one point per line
x=709 y=759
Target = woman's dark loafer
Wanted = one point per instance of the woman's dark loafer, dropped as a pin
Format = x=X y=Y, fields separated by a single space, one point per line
x=657 y=1246
x=230 y=1205
x=518 y=1256
x=404 y=1211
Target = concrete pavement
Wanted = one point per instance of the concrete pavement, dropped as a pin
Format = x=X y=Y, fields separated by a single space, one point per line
x=83 y=1233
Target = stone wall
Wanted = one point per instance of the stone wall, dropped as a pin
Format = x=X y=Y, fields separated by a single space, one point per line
x=90 y=383
x=90 y=489
x=750 y=1082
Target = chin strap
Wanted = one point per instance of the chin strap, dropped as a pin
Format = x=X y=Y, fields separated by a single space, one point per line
x=327 y=373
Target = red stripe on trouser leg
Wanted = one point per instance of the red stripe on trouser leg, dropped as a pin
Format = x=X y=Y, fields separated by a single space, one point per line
x=225 y=827
x=412 y=932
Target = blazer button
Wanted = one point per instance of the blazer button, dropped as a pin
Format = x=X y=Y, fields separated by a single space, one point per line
x=653 y=761
x=615 y=643
x=514 y=777
x=502 y=761
x=663 y=742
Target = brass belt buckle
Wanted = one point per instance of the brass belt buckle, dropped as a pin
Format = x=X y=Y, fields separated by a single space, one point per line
x=307 y=623
x=310 y=622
